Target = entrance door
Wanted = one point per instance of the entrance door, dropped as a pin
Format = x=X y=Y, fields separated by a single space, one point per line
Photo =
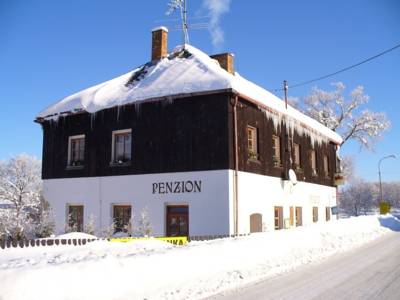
x=177 y=220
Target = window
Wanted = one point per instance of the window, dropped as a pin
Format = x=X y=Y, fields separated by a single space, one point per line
x=313 y=163
x=122 y=218
x=328 y=213
x=326 y=166
x=297 y=156
x=75 y=218
x=315 y=214
x=76 y=150
x=121 y=146
x=278 y=217
x=291 y=216
x=276 y=147
x=299 y=217
x=252 y=150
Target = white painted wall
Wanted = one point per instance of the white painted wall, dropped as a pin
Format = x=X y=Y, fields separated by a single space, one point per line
x=208 y=210
x=259 y=194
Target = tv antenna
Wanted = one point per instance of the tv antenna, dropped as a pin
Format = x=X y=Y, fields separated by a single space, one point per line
x=182 y=6
x=184 y=26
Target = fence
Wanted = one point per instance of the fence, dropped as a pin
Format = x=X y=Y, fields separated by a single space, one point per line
x=81 y=242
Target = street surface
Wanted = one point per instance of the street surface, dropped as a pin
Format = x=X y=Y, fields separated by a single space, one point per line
x=369 y=272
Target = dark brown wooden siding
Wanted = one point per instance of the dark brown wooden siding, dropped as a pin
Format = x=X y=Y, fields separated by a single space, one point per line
x=180 y=136
x=249 y=114
x=188 y=134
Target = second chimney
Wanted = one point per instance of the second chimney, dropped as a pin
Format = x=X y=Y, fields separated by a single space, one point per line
x=225 y=61
x=159 y=48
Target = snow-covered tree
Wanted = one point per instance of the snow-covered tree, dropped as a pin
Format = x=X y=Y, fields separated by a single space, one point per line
x=359 y=197
x=345 y=116
x=144 y=227
x=90 y=226
x=20 y=190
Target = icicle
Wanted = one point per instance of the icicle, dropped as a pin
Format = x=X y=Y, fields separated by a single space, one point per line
x=137 y=108
x=118 y=108
x=292 y=125
x=92 y=120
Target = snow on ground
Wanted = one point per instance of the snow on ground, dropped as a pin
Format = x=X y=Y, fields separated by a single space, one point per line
x=76 y=235
x=153 y=269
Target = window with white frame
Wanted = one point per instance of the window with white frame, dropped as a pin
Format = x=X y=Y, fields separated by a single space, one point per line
x=76 y=150
x=313 y=162
x=121 y=146
x=276 y=147
x=297 y=156
x=252 y=149
x=326 y=166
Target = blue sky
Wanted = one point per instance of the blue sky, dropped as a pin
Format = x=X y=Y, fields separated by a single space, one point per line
x=51 y=49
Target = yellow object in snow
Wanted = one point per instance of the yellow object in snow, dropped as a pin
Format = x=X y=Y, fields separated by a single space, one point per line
x=384 y=207
x=178 y=240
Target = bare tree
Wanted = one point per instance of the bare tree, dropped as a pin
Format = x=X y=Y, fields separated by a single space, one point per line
x=345 y=116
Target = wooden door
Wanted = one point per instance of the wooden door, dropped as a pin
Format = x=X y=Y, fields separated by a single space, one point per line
x=255 y=223
x=177 y=220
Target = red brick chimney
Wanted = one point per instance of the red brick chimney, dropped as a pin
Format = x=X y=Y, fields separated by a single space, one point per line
x=225 y=61
x=159 y=48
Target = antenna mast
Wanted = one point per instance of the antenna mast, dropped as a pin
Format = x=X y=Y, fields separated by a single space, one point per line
x=182 y=5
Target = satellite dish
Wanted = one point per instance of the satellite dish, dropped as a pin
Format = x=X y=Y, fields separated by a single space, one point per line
x=292 y=177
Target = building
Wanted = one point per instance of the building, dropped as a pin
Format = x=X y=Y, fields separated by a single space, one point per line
x=204 y=150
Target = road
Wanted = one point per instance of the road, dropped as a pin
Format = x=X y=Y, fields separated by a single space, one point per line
x=369 y=272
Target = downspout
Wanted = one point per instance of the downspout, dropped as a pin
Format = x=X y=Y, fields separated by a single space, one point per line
x=234 y=102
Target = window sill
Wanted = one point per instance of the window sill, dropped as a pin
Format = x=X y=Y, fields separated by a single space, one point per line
x=254 y=160
x=123 y=164
x=75 y=167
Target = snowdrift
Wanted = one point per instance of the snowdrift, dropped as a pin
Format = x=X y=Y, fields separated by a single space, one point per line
x=157 y=270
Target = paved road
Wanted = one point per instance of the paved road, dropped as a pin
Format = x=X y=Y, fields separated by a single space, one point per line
x=369 y=272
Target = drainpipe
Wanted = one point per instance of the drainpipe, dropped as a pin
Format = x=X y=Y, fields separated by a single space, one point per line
x=234 y=102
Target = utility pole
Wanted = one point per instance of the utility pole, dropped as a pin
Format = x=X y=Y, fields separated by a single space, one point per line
x=380 y=177
x=285 y=88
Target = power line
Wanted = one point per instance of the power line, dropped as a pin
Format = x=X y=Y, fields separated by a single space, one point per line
x=341 y=70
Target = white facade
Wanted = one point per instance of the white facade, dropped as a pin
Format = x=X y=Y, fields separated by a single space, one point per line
x=210 y=207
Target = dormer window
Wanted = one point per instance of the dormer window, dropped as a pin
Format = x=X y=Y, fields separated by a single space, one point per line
x=121 y=146
x=76 y=151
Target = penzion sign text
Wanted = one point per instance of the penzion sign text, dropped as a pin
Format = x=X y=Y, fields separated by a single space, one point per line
x=177 y=187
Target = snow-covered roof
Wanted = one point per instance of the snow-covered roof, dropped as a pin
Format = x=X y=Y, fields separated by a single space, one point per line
x=186 y=70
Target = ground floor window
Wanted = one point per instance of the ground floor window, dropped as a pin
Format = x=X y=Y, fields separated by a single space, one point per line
x=177 y=220
x=328 y=213
x=122 y=218
x=278 y=217
x=255 y=223
x=291 y=216
x=315 y=214
x=299 y=216
x=75 y=218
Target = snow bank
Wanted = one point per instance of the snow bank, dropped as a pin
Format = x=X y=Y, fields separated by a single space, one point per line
x=187 y=70
x=156 y=270
x=76 y=235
